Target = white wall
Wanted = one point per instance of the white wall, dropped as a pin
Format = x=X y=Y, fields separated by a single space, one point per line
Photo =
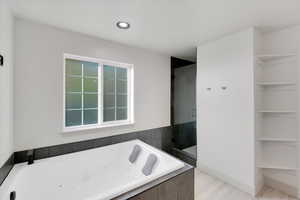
x=225 y=118
x=39 y=84
x=6 y=82
x=282 y=41
x=185 y=94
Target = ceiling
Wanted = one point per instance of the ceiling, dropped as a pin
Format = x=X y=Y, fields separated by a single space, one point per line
x=172 y=27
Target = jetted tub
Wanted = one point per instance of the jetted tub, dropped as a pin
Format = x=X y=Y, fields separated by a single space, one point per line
x=95 y=174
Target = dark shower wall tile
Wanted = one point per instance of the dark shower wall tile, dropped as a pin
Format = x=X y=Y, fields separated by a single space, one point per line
x=61 y=149
x=100 y=142
x=42 y=153
x=152 y=137
x=84 y=145
x=160 y=138
x=20 y=156
x=5 y=169
x=166 y=139
x=123 y=137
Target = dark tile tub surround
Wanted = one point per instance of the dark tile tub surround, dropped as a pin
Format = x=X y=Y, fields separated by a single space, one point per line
x=186 y=157
x=5 y=169
x=160 y=138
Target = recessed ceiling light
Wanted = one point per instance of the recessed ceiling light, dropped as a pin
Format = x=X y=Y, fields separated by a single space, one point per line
x=123 y=25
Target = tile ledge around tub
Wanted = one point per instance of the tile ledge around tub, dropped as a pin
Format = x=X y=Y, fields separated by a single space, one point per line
x=158 y=137
x=6 y=168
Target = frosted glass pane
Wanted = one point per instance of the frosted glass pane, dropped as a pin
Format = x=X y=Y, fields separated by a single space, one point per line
x=73 y=84
x=121 y=73
x=108 y=115
x=90 y=69
x=115 y=89
x=90 y=116
x=90 y=100
x=73 y=67
x=109 y=86
x=73 y=118
x=90 y=85
x=109 y=72
x=122 y=100
x=109 y=101
x=121 y=113
x=122 y=87
x=73 y=101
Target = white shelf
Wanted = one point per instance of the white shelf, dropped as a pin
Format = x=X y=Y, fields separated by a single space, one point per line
x=277 y=140
x=275 y=83
x=276 y=111
x=271 y=57
x=277 y=167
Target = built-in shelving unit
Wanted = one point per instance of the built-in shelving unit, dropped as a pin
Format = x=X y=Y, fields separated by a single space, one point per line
x=274 y=83
x=277 y=167
x=276 y=121
x=272 y=57
x=277 y=139
x=277 y=111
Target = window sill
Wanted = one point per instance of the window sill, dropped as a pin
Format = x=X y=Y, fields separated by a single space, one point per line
x=95 y=126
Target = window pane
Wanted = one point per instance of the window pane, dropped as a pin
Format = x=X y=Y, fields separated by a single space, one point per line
x=90 y=69
x=90 y=85
x=121 y=100
x=109 y=86
x=90 y=100
x=121 y=87
x=109 y=93
x=90 y=116
x=73 y=84
x=109 y=79
x=121 y=80
x=73 y=67
x=115 y=89
x=73 y=101
x=73 y=117
x=121 y=73
x=121 y=94
x=108 y=114
x=109 y=72
x=121 y=113
x=109 y=101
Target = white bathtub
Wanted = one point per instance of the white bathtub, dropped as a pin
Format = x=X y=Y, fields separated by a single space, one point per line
x=96 y=174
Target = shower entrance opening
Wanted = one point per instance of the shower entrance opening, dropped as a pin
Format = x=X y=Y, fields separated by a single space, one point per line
x=183 y=109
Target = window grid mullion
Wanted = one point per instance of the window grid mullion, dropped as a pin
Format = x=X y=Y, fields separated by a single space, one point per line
x=115 y=93
x=82 y=97
x=100 y=93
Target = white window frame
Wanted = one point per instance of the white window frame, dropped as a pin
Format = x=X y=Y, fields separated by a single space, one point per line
x=130 y=94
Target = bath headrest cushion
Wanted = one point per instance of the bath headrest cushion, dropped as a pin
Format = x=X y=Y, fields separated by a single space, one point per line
x=148 y=167
x=135 y=153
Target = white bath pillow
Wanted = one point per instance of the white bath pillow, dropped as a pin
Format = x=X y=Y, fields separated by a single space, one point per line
x=148 y=167
x=135 y=153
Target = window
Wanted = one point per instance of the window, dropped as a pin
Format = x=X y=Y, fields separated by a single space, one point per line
x=97 y=93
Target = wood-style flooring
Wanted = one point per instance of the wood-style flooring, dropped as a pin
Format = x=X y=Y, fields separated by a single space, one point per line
x=210 y=188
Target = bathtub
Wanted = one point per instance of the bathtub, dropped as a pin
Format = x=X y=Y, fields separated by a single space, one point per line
x=95 y=174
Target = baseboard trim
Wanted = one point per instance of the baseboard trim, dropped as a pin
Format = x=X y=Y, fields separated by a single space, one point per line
x=290 y=190
x=227 y=179
x=259 y=186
